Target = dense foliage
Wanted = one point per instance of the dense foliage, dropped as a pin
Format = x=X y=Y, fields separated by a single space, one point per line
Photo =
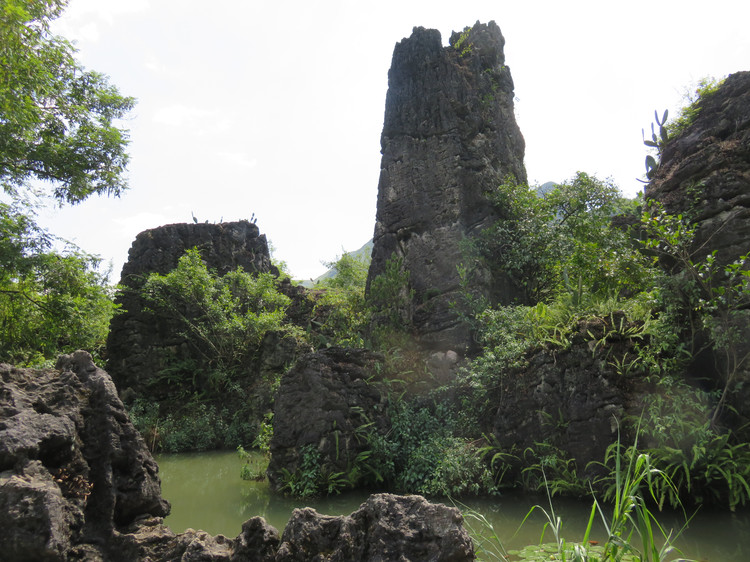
x=208 y=395
x=581 y=255
x=57 y=120
x=340 y=315
x=222 y=318
x=560 y=239
x=50 y=302
x=58 y=138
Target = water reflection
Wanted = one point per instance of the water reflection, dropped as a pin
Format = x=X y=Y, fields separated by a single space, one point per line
x=207 y=493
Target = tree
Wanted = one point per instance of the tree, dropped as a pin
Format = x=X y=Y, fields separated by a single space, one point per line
x=559 y=241
x=57 y=120
x=56 y=303
x=340 y=314
x=59 y=139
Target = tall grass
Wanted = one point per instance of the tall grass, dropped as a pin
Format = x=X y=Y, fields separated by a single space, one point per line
x=633 y=532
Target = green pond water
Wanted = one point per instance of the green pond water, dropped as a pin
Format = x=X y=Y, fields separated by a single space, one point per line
x=206 y=492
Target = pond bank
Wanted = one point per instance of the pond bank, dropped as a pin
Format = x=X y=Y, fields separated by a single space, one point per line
x=207 y=493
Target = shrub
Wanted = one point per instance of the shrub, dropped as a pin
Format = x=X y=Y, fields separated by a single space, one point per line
x=222 y=318
x=340 y=315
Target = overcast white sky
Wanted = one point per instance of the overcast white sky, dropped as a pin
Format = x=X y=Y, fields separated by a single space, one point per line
x=276 y=107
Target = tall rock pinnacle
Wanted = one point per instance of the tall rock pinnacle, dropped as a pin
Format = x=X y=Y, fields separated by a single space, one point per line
x=449 y=137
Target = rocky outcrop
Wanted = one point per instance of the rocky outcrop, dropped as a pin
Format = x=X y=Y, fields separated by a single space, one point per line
x=704 y=173
x=78 y=483
x=321 y=403
x=385 y=527
x=571 y=398
x=151 y=540
x=449 y=137
x=140 y=344
x=73 y=469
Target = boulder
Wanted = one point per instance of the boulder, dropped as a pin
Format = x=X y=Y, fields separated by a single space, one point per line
x=571 y=398
x=384 y=528
x=322 y=402
x=73 y=469
x=150 y=539
x=449 y=137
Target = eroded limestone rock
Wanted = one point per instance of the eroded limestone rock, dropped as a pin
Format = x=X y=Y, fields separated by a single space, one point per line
x=704 y=173
x=321 y=402
x=74 y=469
x=384 y=528
x=572 y=399
x=449 y=137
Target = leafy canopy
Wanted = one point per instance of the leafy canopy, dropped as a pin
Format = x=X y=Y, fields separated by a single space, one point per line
x=57 y=120
x=559 y=241
x=57 y=128
x=340 y=314
x=58 y=304
x=223 y=318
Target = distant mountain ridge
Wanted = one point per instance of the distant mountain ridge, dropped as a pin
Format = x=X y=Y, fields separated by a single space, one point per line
x=363 y=253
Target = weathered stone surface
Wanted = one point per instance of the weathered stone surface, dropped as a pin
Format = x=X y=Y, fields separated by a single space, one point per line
x=257 y=541
x=151 y=540
x=449 y=136
x=139 y=343
x=321 y=401
x=35 y=520
x=571 y=398
x=704 y=174
x=74 y=469
x=384 y=528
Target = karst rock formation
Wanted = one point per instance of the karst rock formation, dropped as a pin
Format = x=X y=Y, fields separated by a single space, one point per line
x=449 y=137
x=78 y=483
x=704 y=175
x=140 y=344
x=704 y=172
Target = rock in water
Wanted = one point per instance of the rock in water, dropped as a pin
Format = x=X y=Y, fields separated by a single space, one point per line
x=384 y=528
x=322 y=402
x=449 y=137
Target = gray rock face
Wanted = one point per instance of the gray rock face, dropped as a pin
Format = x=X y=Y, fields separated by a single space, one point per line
x=704 y=174
x=78 y=483
x=139 y=344
x=571 y=398
x=73 y=469
x=321 y=402
x=149 y=539
x=384 y=528
x=449 y=136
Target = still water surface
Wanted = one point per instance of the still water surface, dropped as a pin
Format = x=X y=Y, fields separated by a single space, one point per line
x=206 y=492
